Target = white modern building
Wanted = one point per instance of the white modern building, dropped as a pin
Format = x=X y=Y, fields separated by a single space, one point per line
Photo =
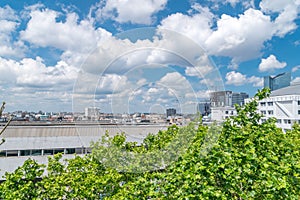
x=284 y=105
x=92 y=113
x=220 y=114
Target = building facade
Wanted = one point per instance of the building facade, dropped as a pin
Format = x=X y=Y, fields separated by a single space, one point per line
x=171 y=112
x=204 y=108
x=220 y=114
x=221 y=98
x=239 y=98
x=284 y=105
x=278 y=81
x=92 y=113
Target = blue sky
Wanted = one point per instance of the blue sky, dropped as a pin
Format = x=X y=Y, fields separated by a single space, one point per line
x=128 y=56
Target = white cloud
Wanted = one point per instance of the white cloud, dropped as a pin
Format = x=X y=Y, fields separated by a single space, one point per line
x=34 y=73
x=238 y=37
x=271 y=63
x=199 y=71
x=237 y=79
x=44 y=30
x=288 y=11
x=197 y=27
x=296 y=68
x=235 y=37
x=8 y=13
x=9 y=21
x=256 y=81
x=133 y=11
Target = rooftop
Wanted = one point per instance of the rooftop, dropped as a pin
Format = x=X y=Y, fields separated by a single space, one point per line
x=293 y=89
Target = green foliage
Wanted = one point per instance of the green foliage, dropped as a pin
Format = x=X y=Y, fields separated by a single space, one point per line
x=243 y=159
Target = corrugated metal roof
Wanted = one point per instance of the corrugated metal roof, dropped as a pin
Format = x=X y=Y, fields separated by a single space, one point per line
x=19 y=138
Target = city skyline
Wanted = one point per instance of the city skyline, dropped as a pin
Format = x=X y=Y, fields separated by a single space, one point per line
x=67 y=55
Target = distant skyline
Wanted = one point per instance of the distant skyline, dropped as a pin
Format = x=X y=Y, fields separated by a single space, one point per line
x=65 y=55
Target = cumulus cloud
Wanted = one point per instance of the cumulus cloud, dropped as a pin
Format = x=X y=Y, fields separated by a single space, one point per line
x=197 y=27
x=133 y=11
x=296 y=68
x=237 y=37
x=9 y=21
x=271 y=63
x=44 y=30
x=237 y=79
x=288 y=12
x=34 y=73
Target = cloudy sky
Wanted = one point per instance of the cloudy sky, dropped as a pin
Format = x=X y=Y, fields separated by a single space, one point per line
x=141 y=55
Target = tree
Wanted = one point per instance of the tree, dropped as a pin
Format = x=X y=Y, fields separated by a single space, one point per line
x=242 y=159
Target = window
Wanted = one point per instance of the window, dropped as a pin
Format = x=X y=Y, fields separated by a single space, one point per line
x=48 y=152
x=285 y=121
x=270 y=103
x=298 y=112
x=12 y=153
x=70 y=151
x=289 y=121
x=58 y=151
x=263 y=103
x=298 y=102
x=2 y=153
x=37 y=152
x=79 y=151
x=278 y=121
x=25 y=153
x=270 y=112
x=263 y=112
x=263 y=120
x=226 y=112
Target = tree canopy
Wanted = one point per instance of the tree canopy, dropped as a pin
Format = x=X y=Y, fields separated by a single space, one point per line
x=242 y=159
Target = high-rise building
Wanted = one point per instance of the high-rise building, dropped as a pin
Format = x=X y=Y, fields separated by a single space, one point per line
x=221 y=98
x=278 y=81
x=92 y=113
x=171 y=112
x=239 y=98
x=204 y=108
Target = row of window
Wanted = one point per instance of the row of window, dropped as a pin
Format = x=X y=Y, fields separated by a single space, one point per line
x=44 y=152
x=285 y=121
x=264 y=112
x=264 y=103
x=271 y=112
x=281 y=121
x=271 y=103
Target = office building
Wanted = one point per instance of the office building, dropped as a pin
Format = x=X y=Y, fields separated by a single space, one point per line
x=204 y=108
x=221 y=98
x=239 y=98
x=278 y=81
x=171 y=112
x=92 y=113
